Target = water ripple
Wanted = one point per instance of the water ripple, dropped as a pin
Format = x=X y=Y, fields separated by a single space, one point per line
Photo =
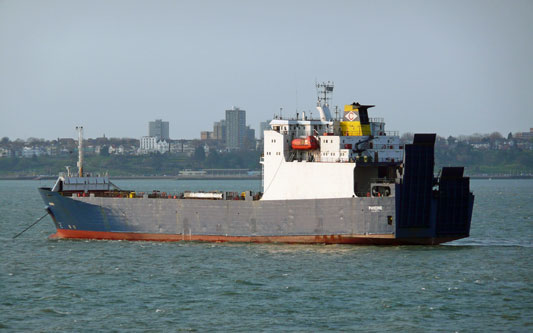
x=482 y=283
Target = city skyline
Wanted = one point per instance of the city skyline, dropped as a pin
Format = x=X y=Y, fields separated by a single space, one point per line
x=258 y=134
x=452 y=68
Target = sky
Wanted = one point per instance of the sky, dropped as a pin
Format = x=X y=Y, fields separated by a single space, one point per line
x=450 y=67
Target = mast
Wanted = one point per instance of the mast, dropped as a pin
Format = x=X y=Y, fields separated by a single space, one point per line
x=324 y=90
x=80 y=150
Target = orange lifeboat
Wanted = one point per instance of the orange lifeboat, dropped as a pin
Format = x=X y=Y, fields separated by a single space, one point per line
x=308 y=143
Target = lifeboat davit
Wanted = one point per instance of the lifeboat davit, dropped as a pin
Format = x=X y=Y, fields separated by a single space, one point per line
x=308 y=143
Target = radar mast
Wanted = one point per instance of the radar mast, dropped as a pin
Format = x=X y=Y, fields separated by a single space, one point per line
x=324 y=91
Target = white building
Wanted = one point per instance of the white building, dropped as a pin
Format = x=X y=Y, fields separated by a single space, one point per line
x=32 y=151
x=151 y=144
x=4 y=152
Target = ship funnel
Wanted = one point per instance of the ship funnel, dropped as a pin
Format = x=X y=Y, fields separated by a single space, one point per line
x=80 y=150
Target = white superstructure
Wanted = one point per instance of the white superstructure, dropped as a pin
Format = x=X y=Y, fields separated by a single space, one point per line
x=326 y=158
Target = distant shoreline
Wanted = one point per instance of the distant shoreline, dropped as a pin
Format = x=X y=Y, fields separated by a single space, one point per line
x=255 y=177
x=217 y=177
x=501 y=177
x=143 y=177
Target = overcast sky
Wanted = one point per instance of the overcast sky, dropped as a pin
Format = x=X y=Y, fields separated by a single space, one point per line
x=450 y=67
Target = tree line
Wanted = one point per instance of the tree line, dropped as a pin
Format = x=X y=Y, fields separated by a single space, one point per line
x=131 y=165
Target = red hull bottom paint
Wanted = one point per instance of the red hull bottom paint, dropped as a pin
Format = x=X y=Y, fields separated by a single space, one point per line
x=304 y=239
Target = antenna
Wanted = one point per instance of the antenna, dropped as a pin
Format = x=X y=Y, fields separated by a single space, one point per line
x=296 y=100
x=324 y=91
x=80 y=150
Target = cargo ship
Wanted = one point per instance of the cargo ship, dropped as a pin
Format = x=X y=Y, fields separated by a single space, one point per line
x=342 y=180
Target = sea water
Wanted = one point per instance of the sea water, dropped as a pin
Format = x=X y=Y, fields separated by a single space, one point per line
x=482 y=283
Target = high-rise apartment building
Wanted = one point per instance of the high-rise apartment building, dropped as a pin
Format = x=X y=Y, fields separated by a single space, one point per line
x=158 y=129
x=219 y=130
x=263 y=126
x=206 y=135
x=235 y=128
x=249 y=139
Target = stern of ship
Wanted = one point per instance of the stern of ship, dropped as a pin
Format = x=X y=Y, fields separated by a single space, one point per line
x=431 y=210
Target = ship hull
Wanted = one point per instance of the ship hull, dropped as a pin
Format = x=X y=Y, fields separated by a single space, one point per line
x=317 y=239
x=365 y=221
